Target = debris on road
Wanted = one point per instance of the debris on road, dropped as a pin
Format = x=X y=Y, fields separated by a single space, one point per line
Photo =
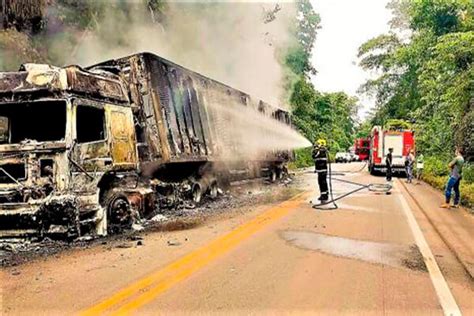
x=158 y=218
x=124 y=246
x=135 y=238
x=173 y=243
x=18 y=251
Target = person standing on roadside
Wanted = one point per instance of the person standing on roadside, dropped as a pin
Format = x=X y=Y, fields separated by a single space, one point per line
x=389 y=163
x=409 y=162
x=454 y=180
x=419 y=167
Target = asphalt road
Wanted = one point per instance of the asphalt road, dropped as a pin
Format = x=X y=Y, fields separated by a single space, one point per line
x=376 y=254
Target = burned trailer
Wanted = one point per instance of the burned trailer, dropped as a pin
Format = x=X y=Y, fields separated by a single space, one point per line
x=185 y=120
x=91 y=151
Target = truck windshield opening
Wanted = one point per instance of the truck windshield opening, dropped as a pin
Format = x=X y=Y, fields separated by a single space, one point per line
x=32 y=121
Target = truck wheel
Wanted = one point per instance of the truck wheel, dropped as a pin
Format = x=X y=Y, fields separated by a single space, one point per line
x=196 y=193
x=273 y=175
x=119 y=214
x=279 y=173
x=213 y=190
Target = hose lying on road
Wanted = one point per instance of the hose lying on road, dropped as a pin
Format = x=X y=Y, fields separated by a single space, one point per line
x=373 y=187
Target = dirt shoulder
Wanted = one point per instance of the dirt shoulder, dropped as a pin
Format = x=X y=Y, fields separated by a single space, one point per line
x=454 y=226
x=467 y=189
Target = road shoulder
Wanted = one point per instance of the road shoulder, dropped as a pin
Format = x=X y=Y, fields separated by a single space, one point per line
x=454 y=226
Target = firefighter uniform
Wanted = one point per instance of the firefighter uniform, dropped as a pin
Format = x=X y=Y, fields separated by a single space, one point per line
x=321 y=164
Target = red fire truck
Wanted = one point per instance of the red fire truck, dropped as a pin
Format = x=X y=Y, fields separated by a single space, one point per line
x=401 y=140
x=362 y=148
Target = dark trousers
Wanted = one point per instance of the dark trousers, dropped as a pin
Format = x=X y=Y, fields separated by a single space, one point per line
x=388 y=173
x=323 y=183
x=453 y=184
x=409 y=170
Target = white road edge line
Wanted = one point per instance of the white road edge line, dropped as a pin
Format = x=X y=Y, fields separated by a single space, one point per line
x=445 y=297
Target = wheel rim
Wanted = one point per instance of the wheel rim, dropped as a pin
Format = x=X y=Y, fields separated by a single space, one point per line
x=213 y=190
x=280 y=174
x=197 y=193
x=273 y=176
x=119 y=214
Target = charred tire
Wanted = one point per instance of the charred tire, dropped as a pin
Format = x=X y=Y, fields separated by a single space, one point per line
x=273 y=175
x=279 y=172
x=196 y=193
x=284 y=171
x=119 y=213
x=213 y=190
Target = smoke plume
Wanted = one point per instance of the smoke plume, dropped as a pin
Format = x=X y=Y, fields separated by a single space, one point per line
x=237 y=43
x=231 y=42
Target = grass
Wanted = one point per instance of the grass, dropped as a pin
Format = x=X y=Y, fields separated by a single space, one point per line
x=467 y=189
x=436 y=173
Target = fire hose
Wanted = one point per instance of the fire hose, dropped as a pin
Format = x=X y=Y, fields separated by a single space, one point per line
x=373 y=187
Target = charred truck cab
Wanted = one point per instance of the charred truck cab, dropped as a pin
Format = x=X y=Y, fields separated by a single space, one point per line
x=56 y=145
x=91 y=151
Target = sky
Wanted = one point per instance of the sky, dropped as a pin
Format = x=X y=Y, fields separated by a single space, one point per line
x=346 y=24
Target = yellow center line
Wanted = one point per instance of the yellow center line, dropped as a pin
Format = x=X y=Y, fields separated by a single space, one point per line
x=145 y=290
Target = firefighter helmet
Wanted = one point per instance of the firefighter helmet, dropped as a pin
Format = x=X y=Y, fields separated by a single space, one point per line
x=321 y=142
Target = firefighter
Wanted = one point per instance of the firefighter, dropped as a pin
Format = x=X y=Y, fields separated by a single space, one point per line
x=320 y=157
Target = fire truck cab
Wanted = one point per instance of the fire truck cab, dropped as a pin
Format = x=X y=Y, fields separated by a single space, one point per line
x=401 y=140
x=362 y=148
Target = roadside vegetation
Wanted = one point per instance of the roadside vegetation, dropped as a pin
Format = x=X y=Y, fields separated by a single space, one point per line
x=425 y=75
x=330 y=116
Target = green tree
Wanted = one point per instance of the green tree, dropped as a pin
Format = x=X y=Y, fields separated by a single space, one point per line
x=426 y=78
x=298 y=56
x=315 y=114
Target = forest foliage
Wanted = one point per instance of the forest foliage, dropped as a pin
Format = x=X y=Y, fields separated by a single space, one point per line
x=426 y=73
x=316 y=114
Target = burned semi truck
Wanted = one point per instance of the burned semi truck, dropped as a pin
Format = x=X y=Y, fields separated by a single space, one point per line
x=92 y=151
